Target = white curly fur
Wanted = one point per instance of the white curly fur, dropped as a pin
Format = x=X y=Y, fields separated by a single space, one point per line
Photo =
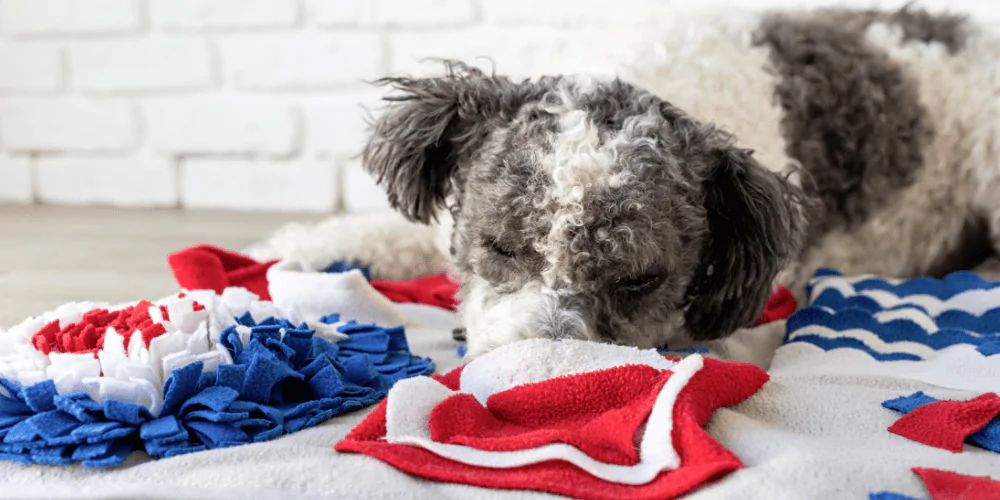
x=701 y=62
x=393 y=247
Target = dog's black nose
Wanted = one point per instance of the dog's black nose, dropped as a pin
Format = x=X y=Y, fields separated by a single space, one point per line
x=458 y=334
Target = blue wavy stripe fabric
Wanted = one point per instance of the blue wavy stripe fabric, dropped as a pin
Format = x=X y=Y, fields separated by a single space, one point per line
x=906 y=320
x=943 y=288
x=278 y=383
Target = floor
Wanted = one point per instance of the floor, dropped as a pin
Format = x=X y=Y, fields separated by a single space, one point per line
x=53 y=255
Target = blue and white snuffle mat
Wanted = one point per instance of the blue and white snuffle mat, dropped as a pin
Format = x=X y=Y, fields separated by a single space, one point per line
x=942 y=331
x=240 y=371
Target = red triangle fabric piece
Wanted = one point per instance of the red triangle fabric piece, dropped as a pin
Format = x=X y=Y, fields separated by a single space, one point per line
x=717 y=384
x=946 y=485
x=946 y=424
x=557 y=411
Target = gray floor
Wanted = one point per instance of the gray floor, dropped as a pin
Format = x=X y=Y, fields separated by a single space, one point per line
x=52 y=255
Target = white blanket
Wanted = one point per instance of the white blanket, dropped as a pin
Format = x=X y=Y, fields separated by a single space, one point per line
x=816 y=430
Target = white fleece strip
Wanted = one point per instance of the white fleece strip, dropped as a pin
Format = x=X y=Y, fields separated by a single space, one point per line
x=535 y=360
x=411 y=402
x=295 y=286
x=135 y=374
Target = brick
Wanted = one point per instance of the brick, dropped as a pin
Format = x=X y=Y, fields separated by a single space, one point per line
x=124 y=182
x=154 y=64
x=514 y=52
x=30 y=67
x=392 y=13
x=257 y=185
x=69 y=17
x=221 y=125
x=422 y=13
x=338 y=13
x=42 y=125
x=559 y=13
x=15 y=186
x=212 y=14
x=276 y=61
x=360 y=191
x=336 y=125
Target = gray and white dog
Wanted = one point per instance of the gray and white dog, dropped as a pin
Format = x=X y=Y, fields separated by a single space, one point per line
x=666 y=186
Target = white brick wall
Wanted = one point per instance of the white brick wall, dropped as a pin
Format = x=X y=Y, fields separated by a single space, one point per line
x=70 y=17
x=149 y=64
x=247 y=104
x=221 y=14
x=59 y=125
x=221 y=125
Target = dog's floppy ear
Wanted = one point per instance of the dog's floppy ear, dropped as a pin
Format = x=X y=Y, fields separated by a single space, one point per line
x=433 y=125
x=754 y=230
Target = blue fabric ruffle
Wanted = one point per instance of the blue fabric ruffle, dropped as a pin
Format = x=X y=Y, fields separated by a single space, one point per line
x=278 y=384
x=843 y=317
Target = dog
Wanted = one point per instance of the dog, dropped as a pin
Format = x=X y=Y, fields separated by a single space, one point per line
x=662 y=191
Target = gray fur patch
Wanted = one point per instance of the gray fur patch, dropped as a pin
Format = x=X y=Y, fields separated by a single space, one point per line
x=852 y=117
x=950 y=30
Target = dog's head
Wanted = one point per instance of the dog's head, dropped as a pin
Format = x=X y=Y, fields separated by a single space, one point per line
x=584 y=209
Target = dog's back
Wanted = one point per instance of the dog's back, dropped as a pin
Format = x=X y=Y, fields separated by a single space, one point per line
x=892 y=117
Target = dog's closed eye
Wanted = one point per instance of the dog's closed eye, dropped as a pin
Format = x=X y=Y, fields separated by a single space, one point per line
x=639 y=285
x=499 y=249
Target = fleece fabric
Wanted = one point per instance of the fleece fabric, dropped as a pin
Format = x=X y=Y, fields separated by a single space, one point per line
x=208 y=267
x=816 y=430
x=945 y=424
x=201 y=371
x=213 y=268
x=585 y=419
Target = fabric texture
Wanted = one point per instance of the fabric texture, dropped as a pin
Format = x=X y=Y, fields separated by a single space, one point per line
x=208 y=267
x=293 y=285
x=213 y=268
x=779 y=306
x=947 y=485
x=926 y=329
x=949 y=417
x=570 y=427
x=816 y=430
x=178 y=388
x=437 y=290
x=819 y=434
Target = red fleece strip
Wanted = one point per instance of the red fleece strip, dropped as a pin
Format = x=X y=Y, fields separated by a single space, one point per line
x=87 y=335
x=717 y=384
x=206 y=267
x=598 y=412
x=946 y=485
x=946 y=424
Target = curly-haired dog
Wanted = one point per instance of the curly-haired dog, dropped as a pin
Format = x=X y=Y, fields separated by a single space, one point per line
x=720 y=157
